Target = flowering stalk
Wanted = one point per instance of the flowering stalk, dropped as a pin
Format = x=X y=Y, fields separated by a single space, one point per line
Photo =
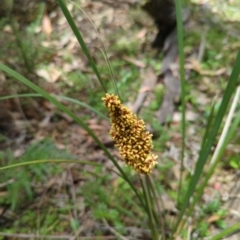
x=132 y=139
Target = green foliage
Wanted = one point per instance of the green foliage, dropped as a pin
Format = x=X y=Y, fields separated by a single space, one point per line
x=213 y=208
x=24 y=44
x=20 y=190
x=203 y=229
x=126 y=45
x=115 y=208
x=158 y=97
x=30 y=47
x=221 y=224
x=45 y=222
x=37 y=22
x=234 y=162
x=74 y=224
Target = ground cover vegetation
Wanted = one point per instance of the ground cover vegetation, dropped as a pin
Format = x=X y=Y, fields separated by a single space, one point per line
x=61 y=177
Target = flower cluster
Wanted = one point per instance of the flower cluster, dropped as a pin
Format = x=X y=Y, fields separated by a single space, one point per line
x=132 y=140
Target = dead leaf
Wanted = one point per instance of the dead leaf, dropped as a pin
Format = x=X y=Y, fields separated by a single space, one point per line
x=43 y=73
x=135 y=62
x=213 y=218
x=46 y=25
x=51 y=74
x=196 y=66
x=142 y=33
x=190 y=116
x=3 y=194
x=1 y=211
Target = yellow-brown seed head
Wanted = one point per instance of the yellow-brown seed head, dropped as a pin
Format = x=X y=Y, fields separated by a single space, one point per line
x=132 y=140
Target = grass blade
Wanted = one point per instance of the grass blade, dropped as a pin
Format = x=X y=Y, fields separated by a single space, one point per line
x=226 y=127
x=60 y=97
x=227 y=232
x=208 y=127
x=182 y=78
x=231 y=86
x=231 y=132
x=22 y=164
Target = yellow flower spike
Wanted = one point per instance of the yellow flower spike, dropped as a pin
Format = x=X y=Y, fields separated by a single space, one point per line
x=132 y=139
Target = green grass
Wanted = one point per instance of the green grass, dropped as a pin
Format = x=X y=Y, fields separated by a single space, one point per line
x=39 y=173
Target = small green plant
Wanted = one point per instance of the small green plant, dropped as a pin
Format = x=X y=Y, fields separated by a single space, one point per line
x=20 y=188
x=24 y=45
x=234 y=162
x=158 y=97
x=211 y=210
x=203 y=229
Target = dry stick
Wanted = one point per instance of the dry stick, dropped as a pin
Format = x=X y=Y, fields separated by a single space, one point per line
x=77 y=233
x=67 y=237
x=73 y=194
x=202 y=46
x=34 y=236
x=8 y=182
x=19 y=107
x=189 y=233
x=99 y=237
x=113 y=230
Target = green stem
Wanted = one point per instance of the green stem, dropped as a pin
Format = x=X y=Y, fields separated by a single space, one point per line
x=182 y=78
x=20 y=45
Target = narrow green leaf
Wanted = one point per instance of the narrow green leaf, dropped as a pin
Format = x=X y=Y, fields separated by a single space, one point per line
x=231 y=86
x=227 y=232
x=21 y=164
x=178 y=5
x=232 y=131
x=60 y=97
x=208 y=127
